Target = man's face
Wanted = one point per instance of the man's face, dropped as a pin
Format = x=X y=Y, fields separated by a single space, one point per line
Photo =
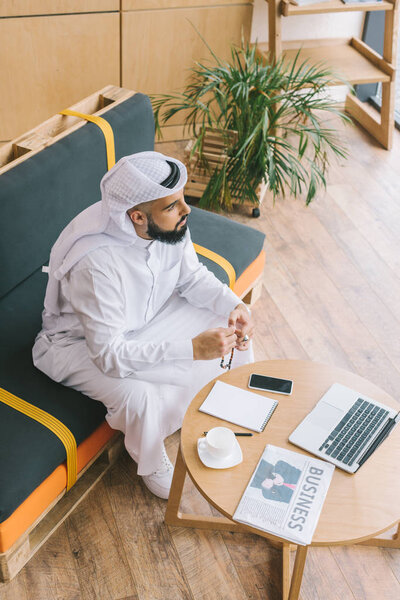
x=167 y=218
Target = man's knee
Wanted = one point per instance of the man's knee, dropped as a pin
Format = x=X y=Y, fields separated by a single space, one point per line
x=133 y=397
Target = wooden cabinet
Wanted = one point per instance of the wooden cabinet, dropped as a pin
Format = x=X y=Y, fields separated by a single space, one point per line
x=55 y=52
x=162 y=4
x=351 y=59
x=48 y=63
x=159 y=46
x=23 y=8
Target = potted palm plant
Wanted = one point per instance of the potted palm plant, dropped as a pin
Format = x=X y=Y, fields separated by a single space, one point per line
x=271 y=122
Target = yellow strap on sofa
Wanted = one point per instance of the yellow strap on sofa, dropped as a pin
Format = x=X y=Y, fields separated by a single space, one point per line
x=110 y=146
x=220 y=260
x=52 y=423
x=106 y=129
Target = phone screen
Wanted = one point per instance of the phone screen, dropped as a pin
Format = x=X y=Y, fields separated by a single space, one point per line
x=270 y=384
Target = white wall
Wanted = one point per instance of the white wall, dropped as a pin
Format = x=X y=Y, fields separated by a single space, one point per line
x=333 y=25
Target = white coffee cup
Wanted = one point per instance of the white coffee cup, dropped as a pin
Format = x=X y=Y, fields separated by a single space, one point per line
x=220 y=442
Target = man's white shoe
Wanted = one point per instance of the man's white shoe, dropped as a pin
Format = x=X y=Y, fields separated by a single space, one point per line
x=159 y=482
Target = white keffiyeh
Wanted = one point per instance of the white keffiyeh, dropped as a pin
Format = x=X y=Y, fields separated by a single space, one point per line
x=133 y=180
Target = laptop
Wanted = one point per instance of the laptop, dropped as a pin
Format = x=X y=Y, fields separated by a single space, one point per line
x=345 y=427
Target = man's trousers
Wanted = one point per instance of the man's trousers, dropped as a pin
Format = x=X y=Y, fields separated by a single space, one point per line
x=146 y=410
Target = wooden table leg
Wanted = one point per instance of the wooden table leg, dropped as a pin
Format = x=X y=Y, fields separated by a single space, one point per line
x=392 y=541
x=285 y=571
x=173 y=515
x=297 y=576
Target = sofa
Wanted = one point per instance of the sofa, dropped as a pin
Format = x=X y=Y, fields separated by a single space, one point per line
x=47 y=176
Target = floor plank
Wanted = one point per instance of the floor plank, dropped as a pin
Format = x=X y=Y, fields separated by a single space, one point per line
x=330 y=293
x=275 y=338
x=385 y=240
x=352 y=284
x=258 y=565
x=369 y=573
x=393 y=559
x=323 y=577
x=145 y=539
x=312 y=333
x=101 y=563
x=51 y=574
x=205 y=559
x=332 y=307
x=15 y=588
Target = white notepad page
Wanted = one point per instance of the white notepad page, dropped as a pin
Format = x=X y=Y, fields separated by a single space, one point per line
x=239 y=406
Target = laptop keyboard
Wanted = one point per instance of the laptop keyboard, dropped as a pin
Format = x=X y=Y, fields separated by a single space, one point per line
x=354 y=431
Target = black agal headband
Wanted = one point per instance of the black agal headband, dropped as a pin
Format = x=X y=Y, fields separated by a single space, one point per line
x=173 y=177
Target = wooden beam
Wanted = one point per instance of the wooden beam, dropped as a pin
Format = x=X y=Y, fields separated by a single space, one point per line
x=356 y=109
x=373 y=57
x=12 y=561
x=274 y=29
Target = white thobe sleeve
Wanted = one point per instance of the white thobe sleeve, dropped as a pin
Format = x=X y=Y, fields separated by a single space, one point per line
x=200 y=287
x=99 y=304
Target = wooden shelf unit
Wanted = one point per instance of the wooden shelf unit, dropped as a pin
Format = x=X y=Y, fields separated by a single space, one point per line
x=352 y=60
x=332 y=6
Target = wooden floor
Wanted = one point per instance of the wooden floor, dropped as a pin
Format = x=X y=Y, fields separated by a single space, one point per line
x=331 y=294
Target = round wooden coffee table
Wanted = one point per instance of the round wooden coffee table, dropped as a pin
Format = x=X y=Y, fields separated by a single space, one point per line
x=358 y=507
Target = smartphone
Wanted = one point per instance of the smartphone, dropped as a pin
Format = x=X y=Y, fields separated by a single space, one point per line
x=270 y=384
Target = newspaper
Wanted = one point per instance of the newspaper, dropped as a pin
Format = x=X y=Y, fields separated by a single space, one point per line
x=285 y=494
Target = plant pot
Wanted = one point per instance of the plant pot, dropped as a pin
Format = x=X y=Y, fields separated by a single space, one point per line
x=200 y=169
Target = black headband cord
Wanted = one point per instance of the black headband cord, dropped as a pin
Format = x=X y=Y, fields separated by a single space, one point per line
x=173 y=177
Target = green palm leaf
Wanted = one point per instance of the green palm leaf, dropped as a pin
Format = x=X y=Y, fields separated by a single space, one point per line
x=280 y=113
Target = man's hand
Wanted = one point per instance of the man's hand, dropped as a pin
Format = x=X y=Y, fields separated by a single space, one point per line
x=242 y=321
x=214 y=343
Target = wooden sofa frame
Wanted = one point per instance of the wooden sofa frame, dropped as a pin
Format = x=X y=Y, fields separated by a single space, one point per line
x=11 y=154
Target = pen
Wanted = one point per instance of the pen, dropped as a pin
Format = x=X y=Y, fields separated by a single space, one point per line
x=237 y=434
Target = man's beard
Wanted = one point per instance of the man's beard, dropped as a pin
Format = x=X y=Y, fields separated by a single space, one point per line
x=168 y=237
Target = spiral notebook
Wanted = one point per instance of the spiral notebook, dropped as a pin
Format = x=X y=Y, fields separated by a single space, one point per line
x=239 y=406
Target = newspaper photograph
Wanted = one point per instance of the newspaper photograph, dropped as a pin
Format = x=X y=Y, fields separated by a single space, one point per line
x=285 y=494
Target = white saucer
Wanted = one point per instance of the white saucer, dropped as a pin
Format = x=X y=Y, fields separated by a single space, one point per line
x=219 y=463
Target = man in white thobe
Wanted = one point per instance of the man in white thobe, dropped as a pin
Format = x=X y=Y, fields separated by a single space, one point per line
x=131 y=317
